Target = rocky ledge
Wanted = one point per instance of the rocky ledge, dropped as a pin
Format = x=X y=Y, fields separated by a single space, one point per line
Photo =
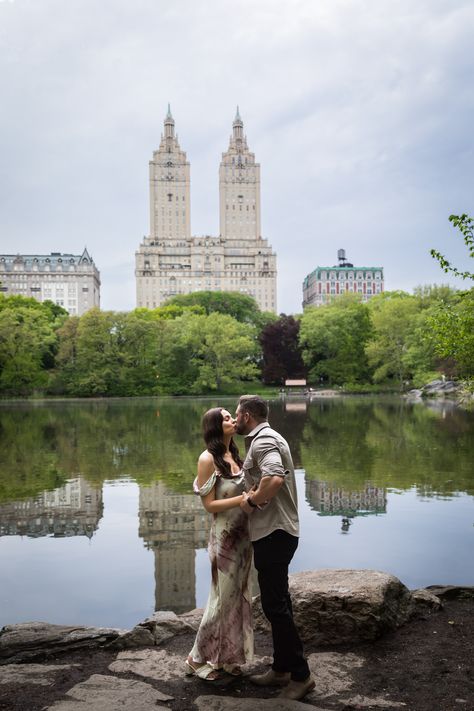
x=370 y=643
x=456 y=391
x=330 y=607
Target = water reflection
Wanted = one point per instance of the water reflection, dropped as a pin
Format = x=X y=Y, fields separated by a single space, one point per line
x=331 y=500
x=391 y=443
x=352 y=454
x=73 y=509
x=173 y=526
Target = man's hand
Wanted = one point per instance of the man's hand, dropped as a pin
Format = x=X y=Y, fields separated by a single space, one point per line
x=246 y=506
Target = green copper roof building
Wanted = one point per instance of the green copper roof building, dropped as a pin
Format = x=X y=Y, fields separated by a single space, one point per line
x=324 y=284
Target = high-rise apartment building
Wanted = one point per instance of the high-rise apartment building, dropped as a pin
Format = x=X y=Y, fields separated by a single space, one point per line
x=327 y=283
x=69 y=280
x=170 y=261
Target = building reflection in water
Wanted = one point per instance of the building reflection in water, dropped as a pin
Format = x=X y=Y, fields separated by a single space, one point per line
x=173 y=526
x=74 y=509
x=328 y=499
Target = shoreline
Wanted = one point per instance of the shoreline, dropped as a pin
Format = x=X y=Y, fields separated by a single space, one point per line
x=420 y=666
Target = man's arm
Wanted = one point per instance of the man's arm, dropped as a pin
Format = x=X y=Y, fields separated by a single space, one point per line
x=269 y=462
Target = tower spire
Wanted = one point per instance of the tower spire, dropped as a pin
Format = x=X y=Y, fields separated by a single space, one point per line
x=238 y=127
x=169 y=124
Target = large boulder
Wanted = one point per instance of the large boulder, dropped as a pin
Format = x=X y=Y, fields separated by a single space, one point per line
x=345 y=606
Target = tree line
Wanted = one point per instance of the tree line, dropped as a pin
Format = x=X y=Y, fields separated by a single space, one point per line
x=221 y=342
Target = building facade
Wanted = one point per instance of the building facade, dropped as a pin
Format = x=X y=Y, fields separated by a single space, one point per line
x=327 y=283
x=69 y=280
x=171 y=261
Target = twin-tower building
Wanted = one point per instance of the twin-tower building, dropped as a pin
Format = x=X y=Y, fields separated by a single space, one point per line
x=171 y=261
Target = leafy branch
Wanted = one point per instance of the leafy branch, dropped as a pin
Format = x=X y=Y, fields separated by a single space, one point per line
x=465 y=225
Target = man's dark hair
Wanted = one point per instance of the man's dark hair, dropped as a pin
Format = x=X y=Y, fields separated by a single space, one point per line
x=255 y=406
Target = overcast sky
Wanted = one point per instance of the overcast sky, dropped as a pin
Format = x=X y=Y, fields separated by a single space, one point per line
x=360 y=113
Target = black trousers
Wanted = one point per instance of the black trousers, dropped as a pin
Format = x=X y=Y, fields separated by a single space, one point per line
x=272 y=556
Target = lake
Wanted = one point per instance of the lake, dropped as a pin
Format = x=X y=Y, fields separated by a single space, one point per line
x=98 y=524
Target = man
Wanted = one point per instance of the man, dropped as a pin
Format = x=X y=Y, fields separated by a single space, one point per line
x=274 y=530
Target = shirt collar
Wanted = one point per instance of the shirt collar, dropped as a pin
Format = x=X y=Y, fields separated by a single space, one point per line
x=257 y=429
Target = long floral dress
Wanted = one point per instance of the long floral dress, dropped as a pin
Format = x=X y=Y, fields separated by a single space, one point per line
x=225 y=635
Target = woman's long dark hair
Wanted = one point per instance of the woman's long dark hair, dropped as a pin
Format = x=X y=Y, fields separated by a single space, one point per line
x=213 y=433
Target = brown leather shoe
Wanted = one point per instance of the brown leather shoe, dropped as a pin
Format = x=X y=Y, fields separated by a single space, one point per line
x=270 y=678
x=297 y=689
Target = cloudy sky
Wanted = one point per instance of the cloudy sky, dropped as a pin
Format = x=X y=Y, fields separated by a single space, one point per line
x=360 y=113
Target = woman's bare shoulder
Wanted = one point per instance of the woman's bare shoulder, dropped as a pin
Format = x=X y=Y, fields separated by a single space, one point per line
x=206 y=463
x=206 y=458
x=205 y=467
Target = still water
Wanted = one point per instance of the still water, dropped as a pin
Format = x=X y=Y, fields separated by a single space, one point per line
x=98 y=525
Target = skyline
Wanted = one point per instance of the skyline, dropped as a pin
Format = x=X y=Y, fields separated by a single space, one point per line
x=358 y=113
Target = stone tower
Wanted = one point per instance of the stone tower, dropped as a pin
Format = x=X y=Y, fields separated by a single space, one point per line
x=239 y=188
x=170 y=261
x=170 y=217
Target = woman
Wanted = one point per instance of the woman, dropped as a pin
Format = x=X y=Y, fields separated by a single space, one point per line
x=225 y=636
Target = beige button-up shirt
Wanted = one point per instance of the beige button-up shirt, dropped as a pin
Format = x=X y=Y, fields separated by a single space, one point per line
x=268 y=454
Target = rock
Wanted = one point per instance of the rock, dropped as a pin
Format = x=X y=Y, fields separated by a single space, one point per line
x=440 y=387
x=138 y=637
x=193 y=618
x=452 y=592
x=424 y=601
x=332 y=672
x=219 y=703
x=345 y=606
x=165 y=624
x=30 y=640
x=363 y=702
x=33 y=674
x=107 y=693
x=157 y=664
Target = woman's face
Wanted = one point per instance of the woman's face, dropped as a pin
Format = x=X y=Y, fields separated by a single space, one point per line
x=228 y=423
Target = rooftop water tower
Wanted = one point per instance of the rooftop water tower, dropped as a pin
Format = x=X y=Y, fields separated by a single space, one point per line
x=341 y=255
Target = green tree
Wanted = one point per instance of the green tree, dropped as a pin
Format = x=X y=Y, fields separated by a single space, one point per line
x=28 y=343
x=135 y=339
x=452 y=331
x=223 y=351
x=65 y=377
x=25 y=339
x=240 y=306
x=176 y=344
x=333 y=339
x=394 y=321
x=96 y=354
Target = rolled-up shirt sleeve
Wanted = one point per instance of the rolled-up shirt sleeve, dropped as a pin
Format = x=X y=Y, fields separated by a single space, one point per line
x=268 y=458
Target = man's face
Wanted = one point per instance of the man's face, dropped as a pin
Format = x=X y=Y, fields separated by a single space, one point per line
x=242 y=426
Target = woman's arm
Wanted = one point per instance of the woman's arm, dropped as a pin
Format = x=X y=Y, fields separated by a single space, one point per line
x=205 y=469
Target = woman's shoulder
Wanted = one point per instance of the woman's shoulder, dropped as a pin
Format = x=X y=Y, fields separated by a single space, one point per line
x=206 y=473
x=206 y=466
x=206 y=459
